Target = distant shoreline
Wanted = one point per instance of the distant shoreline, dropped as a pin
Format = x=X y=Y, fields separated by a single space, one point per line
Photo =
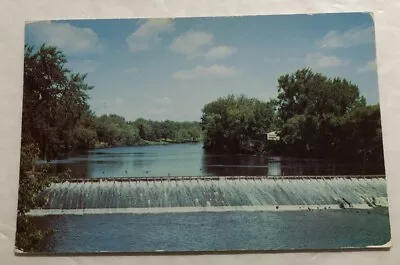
x=145 y=143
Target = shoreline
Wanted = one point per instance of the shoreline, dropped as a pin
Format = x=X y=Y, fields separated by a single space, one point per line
x=145 y=143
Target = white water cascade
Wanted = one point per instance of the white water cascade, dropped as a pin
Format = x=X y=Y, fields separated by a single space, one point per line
x=187 y=194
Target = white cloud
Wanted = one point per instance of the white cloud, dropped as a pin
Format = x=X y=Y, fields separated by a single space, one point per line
x=85 y=66
x=368 y=67
x=319 y=60
x=149 y=34
x=132 y=70
x=208 y=72
x=68 y=38
x=192 y=43
x=352 y=37
x=220 y=52
x=195 y=44
x=163 y=101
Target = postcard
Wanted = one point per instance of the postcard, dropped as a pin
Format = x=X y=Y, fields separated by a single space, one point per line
x=201 y=134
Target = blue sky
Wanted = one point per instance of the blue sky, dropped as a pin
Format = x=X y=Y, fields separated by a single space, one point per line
x=170 y=68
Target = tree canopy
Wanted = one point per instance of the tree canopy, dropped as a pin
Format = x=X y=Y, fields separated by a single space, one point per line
x=55 y=112
x=320 y=116
x=113 y=130
x=237 y=124
x=314 y=115
x=313 y=94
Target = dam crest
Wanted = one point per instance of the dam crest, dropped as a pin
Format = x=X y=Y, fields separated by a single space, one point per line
x=185 y=194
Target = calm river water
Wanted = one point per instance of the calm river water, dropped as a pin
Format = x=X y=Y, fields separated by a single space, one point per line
x=190 y=160
x=210 y=231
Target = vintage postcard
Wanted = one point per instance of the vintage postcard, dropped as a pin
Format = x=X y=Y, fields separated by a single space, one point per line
x=253 y=133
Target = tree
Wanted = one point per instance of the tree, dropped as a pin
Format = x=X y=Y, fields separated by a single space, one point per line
x=31 y=182
x=307 y=104
x=327 y=117
x=307 y=93
x=237 y=124
x=145 y=129
x=51 y=91
x=56 y=119
x=362 y=134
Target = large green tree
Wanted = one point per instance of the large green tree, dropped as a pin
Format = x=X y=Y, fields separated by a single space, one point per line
x=54 y=104
x=56 y=119
x=360 y=134
x=237 y=124
x=113 y=130
x=313 y=94
x=323 y=116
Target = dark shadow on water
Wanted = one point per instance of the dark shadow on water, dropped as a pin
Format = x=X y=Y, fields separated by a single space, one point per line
x=226 y=165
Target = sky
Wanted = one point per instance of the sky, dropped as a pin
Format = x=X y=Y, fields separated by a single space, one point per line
x=170 y=68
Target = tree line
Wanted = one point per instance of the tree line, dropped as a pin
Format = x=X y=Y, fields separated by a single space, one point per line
x=314 y=116
x=237 y=124
x=113 y=130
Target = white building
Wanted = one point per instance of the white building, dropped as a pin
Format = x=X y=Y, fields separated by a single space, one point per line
x=273 y=136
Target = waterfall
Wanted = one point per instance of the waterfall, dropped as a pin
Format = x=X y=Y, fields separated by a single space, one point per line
x=213 y=192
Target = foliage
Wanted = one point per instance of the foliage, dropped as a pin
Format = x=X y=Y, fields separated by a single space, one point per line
x=51 y=91
x=325 y=117
x=315 y=116
x=55 y=120
x=28 y=237
x=114 y=130
x=237 y=124
x=361 y=134
x=31 y=182
x=312 y=94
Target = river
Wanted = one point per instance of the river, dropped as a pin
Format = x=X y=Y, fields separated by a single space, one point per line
x=202 y=230
x=191 y=160
x=209 y=231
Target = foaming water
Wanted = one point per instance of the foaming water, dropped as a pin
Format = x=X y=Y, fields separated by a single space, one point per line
x=200 y=193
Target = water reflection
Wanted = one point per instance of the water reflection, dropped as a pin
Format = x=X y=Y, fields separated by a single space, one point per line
x=190 y=160
x=281 y=166
x=274 y=166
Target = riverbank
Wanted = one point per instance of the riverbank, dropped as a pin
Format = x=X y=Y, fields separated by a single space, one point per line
x=99 y=145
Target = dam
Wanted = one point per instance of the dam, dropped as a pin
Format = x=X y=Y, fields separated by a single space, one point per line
x=193 y=194
x=174 y=198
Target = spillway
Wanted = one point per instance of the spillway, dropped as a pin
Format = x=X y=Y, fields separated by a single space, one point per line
x=212 y=192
